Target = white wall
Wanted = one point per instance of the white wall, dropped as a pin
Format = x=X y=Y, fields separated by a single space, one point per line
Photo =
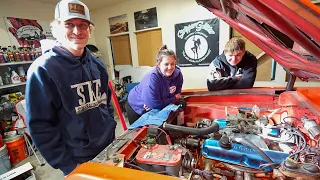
x=25 y=9
x=22 y=9
x=169 y=12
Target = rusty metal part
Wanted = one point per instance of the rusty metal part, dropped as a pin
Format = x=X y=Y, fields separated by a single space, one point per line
x=248 y=176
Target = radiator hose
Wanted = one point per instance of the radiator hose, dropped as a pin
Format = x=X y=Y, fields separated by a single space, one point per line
x=192 y=131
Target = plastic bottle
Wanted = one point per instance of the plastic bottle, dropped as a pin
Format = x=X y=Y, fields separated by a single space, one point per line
x=2 y=58
x=31 y=54
x=5 y=54
x=26 y=54
x=10 y=54
x=7 y=78
x=35 y=54
x=15 y=79
x=21 y=53
x=39 y=51
x=22 y=74
x=16 y=54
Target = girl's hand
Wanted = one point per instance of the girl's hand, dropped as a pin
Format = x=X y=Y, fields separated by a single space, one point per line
x=146 y=107
x=178 y=96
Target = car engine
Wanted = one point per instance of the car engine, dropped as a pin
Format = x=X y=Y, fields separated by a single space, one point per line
x=248 y=143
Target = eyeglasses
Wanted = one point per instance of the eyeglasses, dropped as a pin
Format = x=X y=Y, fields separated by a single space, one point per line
x=82 y=26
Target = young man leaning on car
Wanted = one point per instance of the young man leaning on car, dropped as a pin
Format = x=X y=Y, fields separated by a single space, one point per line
x=236 y=68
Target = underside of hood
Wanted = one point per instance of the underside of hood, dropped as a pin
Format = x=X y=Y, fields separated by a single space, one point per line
x=287 y=30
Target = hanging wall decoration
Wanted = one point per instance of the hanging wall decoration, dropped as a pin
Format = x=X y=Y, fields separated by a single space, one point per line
x=197 y=42
x=27 y=32
x=118 y=24
x=146 y=19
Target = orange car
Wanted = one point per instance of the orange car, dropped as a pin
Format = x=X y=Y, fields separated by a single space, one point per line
x=258 y=133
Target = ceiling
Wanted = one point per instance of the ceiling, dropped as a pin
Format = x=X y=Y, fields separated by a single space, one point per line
x=92 y=4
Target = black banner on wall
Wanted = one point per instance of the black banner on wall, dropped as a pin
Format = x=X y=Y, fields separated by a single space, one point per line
x=197 y=42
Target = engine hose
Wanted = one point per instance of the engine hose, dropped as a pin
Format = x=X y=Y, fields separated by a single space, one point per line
x=192 y=131
x=256 y=148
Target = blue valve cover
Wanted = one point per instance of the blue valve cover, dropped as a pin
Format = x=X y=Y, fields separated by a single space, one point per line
x=239 y=154
x=222 y=122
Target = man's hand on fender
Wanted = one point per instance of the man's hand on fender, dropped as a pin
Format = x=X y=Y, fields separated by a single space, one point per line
x=238 y=76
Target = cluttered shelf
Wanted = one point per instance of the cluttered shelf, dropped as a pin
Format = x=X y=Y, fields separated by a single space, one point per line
x=12 y=85
x=15 y=63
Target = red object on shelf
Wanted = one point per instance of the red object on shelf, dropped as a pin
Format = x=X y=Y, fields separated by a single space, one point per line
x=17 y=148
x=116 y=104
x=1 y=141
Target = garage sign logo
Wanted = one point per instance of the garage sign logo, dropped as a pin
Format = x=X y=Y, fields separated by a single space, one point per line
x=197 y=43
x=27 y=32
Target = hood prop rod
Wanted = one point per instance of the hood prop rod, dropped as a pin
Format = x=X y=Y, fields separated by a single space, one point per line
x=291 y=81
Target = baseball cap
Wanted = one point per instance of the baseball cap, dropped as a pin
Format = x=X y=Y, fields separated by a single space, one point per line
x=69 y=9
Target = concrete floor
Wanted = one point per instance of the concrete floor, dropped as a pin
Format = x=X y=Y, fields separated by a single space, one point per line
x=46 y=172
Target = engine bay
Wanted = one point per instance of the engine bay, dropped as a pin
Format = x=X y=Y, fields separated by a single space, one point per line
x=241 y=136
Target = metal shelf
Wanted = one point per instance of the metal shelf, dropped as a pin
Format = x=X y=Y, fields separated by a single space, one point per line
x=12 y=85
x=16 y=63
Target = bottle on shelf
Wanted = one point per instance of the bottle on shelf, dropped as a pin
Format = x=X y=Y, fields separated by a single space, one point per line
x=21 y=53
x=16 y=54
x=2 y=57
x=31 y=54
x=35 y=53
x=39 y=51
x=5 y=54
x=26 y=54
x=22 y=74
x=15 y=79
x=7 y=78
x=10 y=54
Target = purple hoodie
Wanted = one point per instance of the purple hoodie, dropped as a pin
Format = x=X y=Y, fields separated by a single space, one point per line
x=155 y=90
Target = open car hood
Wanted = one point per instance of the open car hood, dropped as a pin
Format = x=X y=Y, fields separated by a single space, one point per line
x=287 y=30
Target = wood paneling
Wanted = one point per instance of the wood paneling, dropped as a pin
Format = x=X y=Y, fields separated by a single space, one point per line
x=148 y=43
x=121 y=50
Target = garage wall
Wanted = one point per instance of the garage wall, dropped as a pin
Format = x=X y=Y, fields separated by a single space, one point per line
x=169 y=13
x=24 y=9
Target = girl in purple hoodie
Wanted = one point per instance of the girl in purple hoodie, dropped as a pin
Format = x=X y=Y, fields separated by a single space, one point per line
x=158 y=88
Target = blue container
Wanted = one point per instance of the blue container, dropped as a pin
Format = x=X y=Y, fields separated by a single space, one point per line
x=239 y=154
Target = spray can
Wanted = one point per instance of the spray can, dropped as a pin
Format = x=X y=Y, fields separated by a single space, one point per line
x=10 y=54
x=312 y=127
x=2 y=58
x=16 y=54
x=21 y=53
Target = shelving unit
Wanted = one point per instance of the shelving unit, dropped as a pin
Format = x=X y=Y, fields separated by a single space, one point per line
x=19 y=86
x=16 y=63
x=12 y=85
